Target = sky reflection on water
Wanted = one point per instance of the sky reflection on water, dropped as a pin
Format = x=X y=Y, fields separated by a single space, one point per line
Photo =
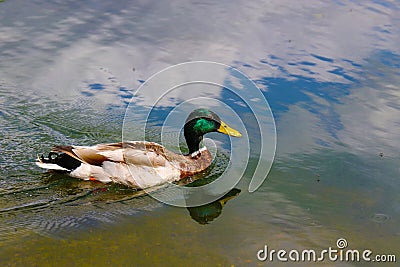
x=329 y=70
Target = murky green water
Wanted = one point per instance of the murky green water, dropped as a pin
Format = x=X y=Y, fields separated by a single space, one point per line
x=330 y=72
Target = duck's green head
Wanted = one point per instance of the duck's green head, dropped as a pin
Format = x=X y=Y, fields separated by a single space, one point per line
x=202 y=121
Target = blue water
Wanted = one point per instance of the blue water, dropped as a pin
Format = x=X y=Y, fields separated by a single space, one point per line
x=329 y=70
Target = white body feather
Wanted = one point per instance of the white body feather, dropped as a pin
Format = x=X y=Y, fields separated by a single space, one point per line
x=50 y=166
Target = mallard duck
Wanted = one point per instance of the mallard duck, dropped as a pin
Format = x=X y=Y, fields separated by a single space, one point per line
x=140 y=164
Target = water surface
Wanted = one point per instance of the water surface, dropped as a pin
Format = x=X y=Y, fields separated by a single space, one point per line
x=330 y=71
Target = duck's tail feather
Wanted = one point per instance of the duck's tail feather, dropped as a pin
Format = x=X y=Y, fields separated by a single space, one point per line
x=58 y=162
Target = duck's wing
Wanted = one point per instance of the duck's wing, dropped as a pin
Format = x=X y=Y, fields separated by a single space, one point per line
x=93 y=155
x=136 y=152
x=145 y=154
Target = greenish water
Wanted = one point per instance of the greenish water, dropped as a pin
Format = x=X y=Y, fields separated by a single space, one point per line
x=330 y=72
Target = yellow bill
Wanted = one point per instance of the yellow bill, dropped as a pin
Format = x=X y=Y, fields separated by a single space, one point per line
x=224 y=128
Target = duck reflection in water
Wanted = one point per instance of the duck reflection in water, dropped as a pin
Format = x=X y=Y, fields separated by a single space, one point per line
x=206 y=213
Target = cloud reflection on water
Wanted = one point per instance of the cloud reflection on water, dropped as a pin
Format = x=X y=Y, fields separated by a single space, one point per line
x=328 y=69
x=316 y=53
